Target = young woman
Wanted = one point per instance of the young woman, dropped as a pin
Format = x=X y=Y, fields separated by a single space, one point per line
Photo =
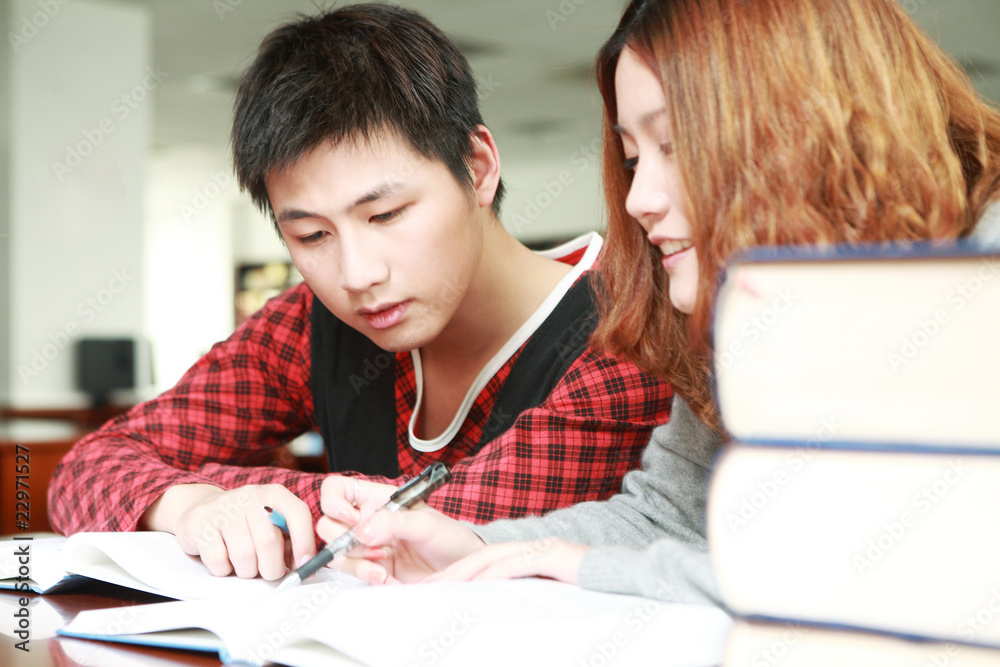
x=728 y=124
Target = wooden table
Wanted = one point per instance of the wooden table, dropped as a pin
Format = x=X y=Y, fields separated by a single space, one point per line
x=30 y=450
x=55 y=610
x=44 y=436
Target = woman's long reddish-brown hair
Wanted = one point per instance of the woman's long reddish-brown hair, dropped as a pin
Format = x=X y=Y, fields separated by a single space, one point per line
x=794 y=121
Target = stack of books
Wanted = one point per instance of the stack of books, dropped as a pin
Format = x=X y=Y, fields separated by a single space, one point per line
x=854 y=518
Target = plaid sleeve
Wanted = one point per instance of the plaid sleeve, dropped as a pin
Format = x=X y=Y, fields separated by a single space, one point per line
x=248 y=395
x=576 y=446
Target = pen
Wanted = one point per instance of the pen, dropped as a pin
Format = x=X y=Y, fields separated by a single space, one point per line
x=419 y=488
x=277 y=518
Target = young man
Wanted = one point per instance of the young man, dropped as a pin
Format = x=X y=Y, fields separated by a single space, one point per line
x=423 y=331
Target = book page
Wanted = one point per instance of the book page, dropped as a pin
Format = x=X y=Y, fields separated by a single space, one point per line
x=244 y=631
x=527 y=621
x=521 y=621
x=895 y=541
x=154 y=562
x=44 y=564
x=866 y=352
x=804 y=646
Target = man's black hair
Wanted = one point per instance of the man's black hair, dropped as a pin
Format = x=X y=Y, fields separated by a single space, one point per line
x=353 y=73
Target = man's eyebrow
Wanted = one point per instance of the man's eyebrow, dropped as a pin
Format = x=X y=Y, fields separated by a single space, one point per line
x=380 y=191
x=291 y=214
x=645 y=120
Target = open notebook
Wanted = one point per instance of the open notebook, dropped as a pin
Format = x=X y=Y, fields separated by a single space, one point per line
x=147 y=561
x=527 y=621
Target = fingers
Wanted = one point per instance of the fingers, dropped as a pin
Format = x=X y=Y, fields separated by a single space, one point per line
x=396 y=546
x=334 y=501
x=371 y=571
x=231 y=533
x=329 y=530
x=416 y=525
x=345 y=499
x=498 y=561
x=239 y=546
x=199 y=531
x=267 y=547
x=549 y=557
x=299 y=522
x=210 y=546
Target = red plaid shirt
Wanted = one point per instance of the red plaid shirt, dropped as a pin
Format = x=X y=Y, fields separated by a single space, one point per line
x=251 y=394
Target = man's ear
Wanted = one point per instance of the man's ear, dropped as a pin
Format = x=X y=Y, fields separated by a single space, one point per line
x=485 y=165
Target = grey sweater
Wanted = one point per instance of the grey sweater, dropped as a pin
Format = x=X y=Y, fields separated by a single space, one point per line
x=650 y=538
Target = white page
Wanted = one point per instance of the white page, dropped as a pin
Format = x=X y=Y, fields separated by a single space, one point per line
x=482 y=623
x=246 y=630
x=524 y=621
x=43 y=562
x=861 y=351
x=154 y=562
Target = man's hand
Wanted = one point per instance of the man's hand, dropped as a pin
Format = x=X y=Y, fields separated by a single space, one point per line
x=230 y=530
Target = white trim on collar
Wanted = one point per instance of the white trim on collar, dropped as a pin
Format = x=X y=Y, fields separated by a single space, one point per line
x=592 y=242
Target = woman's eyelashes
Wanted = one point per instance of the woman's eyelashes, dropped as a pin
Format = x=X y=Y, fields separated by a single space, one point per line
x=630 y=163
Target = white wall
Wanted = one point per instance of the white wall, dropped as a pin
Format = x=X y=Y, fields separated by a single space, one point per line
x=554 y=198
x=189 y=257
x=200 y=229
x=5 y=131
x=80 y=95
x=255 y=240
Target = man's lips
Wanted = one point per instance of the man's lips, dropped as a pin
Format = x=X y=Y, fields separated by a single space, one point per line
x=384 y=316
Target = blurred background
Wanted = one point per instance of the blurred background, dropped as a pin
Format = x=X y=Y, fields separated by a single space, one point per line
x=120 y=221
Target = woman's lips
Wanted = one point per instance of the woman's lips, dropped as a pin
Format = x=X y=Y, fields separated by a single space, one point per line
x=673 y=259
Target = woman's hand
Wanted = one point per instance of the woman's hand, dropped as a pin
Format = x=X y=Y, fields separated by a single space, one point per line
x=549 y=557
x=398 y=547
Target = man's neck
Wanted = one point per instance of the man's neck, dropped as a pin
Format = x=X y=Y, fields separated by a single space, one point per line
x=511 y=282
